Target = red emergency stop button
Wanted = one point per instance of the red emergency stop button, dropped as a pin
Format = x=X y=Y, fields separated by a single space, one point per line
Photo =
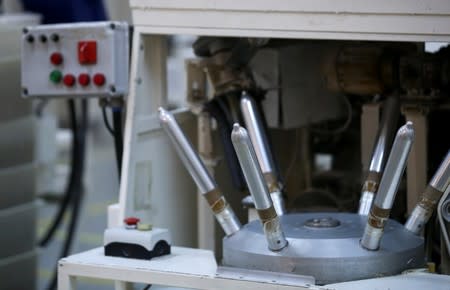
x=84 y=80
x=87 y=52
x=131 y=221
x=56 y=58
x=69 y=80
x=99 y=79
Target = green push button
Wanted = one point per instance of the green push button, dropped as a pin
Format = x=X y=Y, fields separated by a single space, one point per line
x=55 y=76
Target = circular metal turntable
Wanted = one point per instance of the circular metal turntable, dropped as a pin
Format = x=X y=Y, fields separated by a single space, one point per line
x=326 y=246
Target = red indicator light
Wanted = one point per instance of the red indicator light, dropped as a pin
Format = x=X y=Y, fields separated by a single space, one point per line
x=84 y=79
x=56 y=58
x=69 y=80
x=99 y=79
x=87 y=52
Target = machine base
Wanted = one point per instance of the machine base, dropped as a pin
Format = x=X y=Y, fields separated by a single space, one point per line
x=325 y=246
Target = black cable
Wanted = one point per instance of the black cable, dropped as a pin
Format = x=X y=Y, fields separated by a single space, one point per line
x=77 y=196
x=147 y=287
x=225 y=127
x=118 y=137
x=79 y=181
x=106 y=121
x=47 y=237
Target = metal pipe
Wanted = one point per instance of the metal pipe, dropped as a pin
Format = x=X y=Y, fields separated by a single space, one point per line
x=441 y=178
x=258 y=188
x=391 y=110
x=185 y=151
x=384 y=139
x=381 y=207
x=206 y=184
x=254 y=124
x=430 y=198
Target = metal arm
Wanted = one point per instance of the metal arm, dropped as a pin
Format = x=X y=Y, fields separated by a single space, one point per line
x=206 y=184
x=258 y=189
x=381 y=207
x=255 y=127
x=425 y=207
x=380 y=153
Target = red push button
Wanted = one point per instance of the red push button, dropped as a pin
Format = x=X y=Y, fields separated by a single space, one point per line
x=56 y=58
x=99 y=79
x=131 y=221
x=69 y=80
x=87 y=52
x=84 y=80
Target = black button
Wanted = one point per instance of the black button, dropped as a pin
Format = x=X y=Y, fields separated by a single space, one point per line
x=54 y=37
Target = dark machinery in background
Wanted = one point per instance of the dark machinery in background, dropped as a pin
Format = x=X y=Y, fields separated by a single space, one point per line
x=317 y=90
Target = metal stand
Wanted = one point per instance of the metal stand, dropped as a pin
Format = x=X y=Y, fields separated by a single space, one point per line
x=185 y=267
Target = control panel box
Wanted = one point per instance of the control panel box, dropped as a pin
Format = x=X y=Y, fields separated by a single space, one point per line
x=75 y=60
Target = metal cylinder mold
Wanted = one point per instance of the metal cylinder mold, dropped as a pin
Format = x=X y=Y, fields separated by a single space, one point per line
x=255 y=127
x=206 y=184
x=381 y=207
x=430 y=198
x=258 y=189
x=380 y=153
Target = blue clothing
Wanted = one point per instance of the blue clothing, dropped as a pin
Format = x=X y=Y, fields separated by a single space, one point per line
x=64 y=11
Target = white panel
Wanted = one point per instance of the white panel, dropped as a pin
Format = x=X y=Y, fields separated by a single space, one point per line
x=341 y=6
x=412 y=281
x=159 y=189
x=112 y=53
x=401 y=20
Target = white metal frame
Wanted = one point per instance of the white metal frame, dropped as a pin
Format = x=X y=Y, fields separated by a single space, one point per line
x=392 y=20
x=194 y=268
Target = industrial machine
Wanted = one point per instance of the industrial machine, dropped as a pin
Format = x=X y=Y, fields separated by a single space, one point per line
x=344 y=244
x=333 y=246
x=298 y=105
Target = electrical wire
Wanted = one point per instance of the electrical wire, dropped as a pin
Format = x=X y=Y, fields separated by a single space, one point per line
x=224 y=126
x=48 y=236
x=116 y=132
x=224 y=108
x=77 y=195
x=106 y=121
x=344 y=126
x=118 y=137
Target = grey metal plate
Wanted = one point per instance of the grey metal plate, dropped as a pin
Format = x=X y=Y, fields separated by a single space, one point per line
x=331 y=255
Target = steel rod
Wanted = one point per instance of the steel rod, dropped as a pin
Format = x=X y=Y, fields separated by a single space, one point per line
x=206 y=184
x=430 y=198
x=254 y=124
x=382 y=205
x=384 y=140
x=258 y=188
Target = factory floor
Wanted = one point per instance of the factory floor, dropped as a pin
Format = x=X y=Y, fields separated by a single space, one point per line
x=101 y=190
